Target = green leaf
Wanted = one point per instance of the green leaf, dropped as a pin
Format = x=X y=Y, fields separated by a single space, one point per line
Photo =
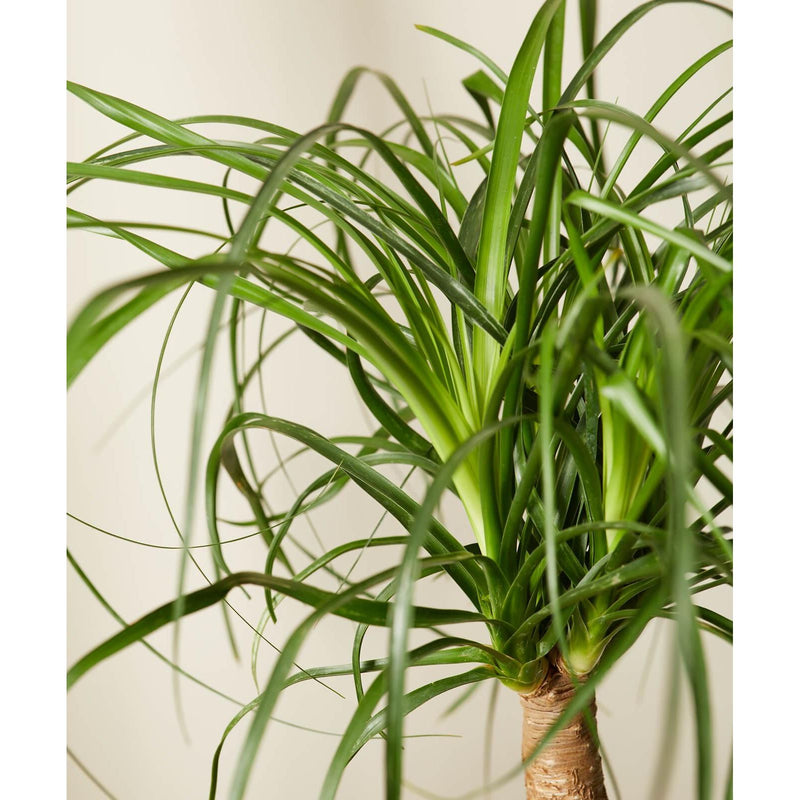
x=490 y=273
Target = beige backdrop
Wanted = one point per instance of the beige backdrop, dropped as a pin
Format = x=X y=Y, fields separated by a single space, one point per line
x=282 y=62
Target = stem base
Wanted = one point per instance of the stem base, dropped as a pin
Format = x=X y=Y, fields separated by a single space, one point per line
x=569 y=766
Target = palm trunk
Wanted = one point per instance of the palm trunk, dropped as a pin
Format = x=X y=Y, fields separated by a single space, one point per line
x=569 y=766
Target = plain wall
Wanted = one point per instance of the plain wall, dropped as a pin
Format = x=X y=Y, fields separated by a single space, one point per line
x=282 y=62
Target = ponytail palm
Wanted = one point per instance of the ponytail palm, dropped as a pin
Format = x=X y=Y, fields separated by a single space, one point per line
x=534 y=342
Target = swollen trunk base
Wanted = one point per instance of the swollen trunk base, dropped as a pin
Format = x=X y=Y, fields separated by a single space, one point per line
x=569 y=766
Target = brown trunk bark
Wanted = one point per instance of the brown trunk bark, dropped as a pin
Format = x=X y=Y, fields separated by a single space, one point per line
x=569 y=766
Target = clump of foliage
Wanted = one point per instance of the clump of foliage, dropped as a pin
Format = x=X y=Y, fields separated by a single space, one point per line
x=539 y=347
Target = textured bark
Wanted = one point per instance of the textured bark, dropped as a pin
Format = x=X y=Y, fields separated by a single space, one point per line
x=569 y=766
